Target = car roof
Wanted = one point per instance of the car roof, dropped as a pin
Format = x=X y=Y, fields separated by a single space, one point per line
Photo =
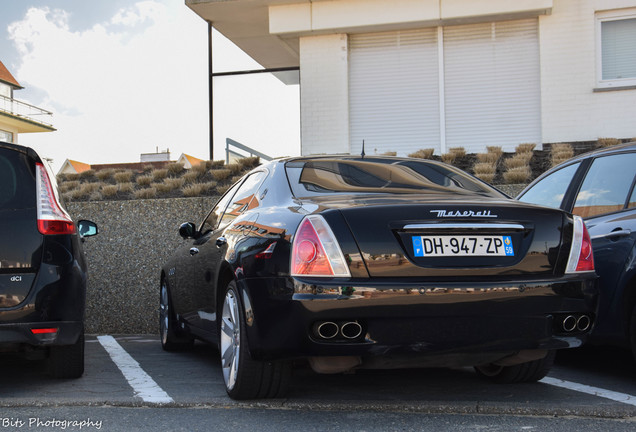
x=22 y=149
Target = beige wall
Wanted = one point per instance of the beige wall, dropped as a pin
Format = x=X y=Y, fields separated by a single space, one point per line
x=324 y=95
x=571 y=109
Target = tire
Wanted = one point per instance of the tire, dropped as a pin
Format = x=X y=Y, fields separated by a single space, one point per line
x=67 y=361
x=244 y=377
x=171 y=340
x=531 y=371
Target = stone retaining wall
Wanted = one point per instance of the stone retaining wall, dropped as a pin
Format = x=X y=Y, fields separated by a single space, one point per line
x=124 y=260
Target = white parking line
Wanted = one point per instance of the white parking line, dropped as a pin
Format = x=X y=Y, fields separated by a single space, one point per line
x=594 y=391
x=142 y=384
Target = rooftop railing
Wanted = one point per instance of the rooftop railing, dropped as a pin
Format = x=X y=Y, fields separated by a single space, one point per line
x=24 y=110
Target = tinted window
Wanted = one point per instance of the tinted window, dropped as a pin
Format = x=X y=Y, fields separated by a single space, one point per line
x=17 y=182
x=606 y=185
x=240 y=198
x=353 y=176
x=245 y=197
x=550 y=190
x=212 y=221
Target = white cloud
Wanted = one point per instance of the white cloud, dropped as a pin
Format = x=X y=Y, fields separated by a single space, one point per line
x=138 y=14
x=137 y=81
x=117 y=93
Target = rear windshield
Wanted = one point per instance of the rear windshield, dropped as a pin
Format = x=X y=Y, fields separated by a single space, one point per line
x=378 y=175
x=17 y=180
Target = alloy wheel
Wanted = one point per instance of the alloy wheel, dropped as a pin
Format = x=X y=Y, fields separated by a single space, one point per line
x=164 y=313
x=230 y=339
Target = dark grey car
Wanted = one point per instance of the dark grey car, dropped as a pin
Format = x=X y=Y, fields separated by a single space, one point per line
x=599 y=186
x=42 y=267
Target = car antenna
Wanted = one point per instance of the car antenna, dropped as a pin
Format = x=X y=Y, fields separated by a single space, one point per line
x=362 y=149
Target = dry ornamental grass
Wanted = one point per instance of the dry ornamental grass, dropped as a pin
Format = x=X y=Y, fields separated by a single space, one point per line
x=110 y=190
x=488 y=158
x=105 y=174
x=144 y=180
x=175 y=168
x=560 y=152
x=607 y=142
x=145 y=193
x=159 y=174
x=423 y=154
x=123 y=176
x=517 y=175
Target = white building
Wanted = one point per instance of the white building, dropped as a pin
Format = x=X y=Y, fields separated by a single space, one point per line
x=403 y=75
x=17 y=117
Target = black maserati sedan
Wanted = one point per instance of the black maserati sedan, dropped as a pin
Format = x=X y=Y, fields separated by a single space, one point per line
x=42 y=266
x=600 y=187
x=351 y=262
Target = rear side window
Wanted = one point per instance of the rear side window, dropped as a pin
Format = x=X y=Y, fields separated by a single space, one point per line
x=606 y=186
x=17 y=180
x=550 y=190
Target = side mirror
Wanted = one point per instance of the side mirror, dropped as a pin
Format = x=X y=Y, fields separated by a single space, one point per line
x=188 y=230
x=87 y=228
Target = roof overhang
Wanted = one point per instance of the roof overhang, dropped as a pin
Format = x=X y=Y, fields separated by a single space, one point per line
x=269 y=31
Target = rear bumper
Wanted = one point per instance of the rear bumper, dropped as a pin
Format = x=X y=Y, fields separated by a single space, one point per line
x=12 y=336
x=56 y=300
x=397 y=319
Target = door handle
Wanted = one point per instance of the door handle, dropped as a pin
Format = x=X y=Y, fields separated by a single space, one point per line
x=194 y=251
x=617 y=233
x=221 y=241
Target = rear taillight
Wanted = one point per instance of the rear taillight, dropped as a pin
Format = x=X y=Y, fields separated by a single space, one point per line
x=315 y=251
x=52 y=219
x=581 y=256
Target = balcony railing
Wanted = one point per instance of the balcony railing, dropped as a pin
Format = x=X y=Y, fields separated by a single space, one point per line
x=24 y=110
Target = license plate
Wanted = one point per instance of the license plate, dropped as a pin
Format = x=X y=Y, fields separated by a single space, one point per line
x=440 y=246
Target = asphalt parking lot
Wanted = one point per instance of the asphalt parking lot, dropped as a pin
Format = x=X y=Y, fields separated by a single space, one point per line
x=132 y=371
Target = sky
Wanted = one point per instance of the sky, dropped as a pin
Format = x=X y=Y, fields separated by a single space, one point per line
x=125 y=77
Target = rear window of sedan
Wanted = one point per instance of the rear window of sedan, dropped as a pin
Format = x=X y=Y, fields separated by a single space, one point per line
x=17 y=182
x=377 y=175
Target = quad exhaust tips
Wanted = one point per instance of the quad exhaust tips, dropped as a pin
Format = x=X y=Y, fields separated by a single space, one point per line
x=575 y=323
x=326 y=330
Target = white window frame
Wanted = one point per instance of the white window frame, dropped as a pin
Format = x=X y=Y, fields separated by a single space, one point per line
x=6 y=136
x=601 y=17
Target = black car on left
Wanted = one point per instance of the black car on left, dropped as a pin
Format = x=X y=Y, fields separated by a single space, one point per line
x=43 y=272
x=353 y=262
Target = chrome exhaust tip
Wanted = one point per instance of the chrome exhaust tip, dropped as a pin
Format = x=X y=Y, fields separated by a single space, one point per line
x=326 y=329
x=583 y=323
x=569 y=323
x=350 y=330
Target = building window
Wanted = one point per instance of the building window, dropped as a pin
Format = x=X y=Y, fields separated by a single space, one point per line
x=616 y=48
x=6 y=136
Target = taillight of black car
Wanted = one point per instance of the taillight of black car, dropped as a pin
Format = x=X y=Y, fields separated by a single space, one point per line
x=315 y=250
x=52 y=219
x=581 y=257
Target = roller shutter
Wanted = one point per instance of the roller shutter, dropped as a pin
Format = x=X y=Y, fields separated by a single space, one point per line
x=492 y=89
x=393 y=91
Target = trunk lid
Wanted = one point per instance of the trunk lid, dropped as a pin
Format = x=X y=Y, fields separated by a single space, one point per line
x=455 y=237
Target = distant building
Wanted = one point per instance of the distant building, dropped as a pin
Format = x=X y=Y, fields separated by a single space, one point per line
x=160 y=161
x=189 y=161
x=405 y=75
x=18 y=117
x=163 y=156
